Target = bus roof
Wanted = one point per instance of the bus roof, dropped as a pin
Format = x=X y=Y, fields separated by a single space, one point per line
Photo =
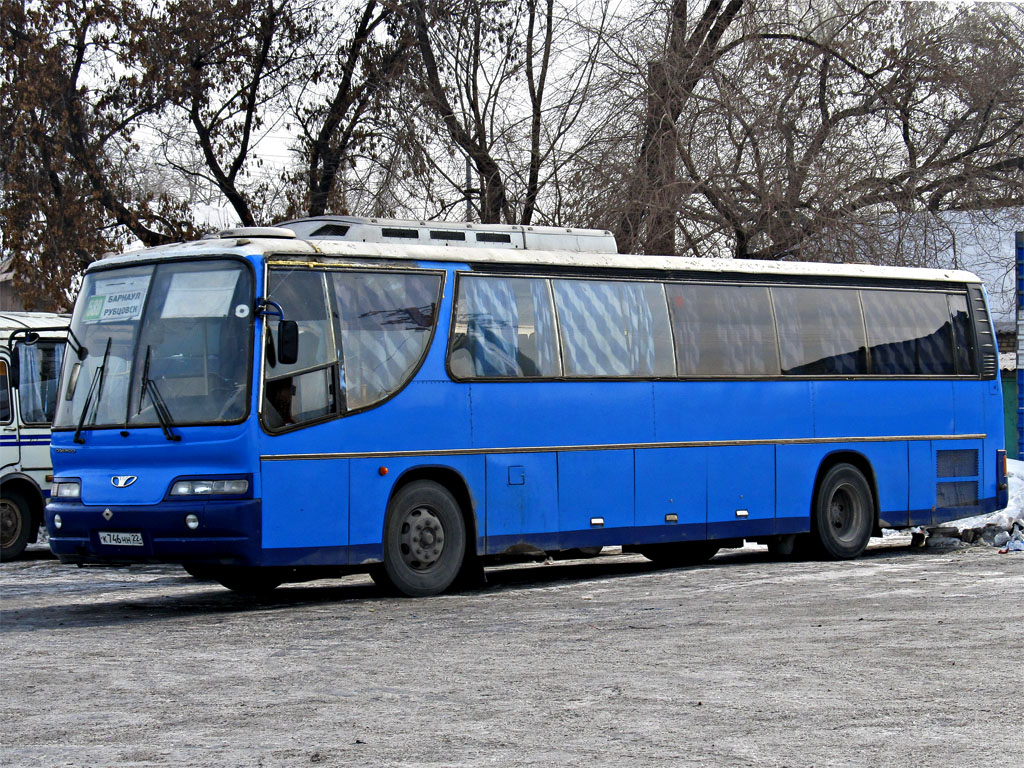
x=12 y=321
x=328 y=252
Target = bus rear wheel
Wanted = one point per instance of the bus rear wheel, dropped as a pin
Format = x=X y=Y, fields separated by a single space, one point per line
x=424 y=539
x=680 y=553
x=843 y=513
x=15 y=525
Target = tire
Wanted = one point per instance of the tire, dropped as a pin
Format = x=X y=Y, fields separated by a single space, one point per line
x=844 y=513
x=680 y=554
x=245 y=581
x=424 y=539
x=15 y=525
x=783 y=547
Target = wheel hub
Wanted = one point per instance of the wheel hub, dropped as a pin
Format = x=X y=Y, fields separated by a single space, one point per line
x=844 y=512
x=422 y=538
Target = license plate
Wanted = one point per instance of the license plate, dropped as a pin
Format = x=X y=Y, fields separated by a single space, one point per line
x=121 y=539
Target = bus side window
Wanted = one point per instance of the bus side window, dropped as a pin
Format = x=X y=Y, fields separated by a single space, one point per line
x=5 y=395
x=963 y=338
x=909 y=333
x=614 y=328
x=821 y=331
x=302 y=391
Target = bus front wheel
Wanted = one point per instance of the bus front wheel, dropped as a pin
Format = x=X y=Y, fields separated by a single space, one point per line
x=424 y=539
x=15 y=525
x=843 y=513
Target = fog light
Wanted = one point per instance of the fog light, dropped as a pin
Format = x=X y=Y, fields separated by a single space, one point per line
x=192 y=522
x=57 y=522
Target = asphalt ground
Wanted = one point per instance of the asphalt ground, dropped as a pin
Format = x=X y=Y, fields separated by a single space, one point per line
x=909 y=657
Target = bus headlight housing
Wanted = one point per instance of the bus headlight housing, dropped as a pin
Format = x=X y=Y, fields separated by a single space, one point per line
x=209 y=487
x=66 y=489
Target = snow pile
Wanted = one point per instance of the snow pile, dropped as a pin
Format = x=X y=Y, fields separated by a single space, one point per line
x=1000 y=529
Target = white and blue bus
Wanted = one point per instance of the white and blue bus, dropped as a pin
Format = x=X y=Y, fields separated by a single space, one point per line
x=415 y=399
x=31 y=352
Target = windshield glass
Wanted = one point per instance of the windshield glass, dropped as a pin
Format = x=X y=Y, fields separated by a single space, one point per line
x=177 y=332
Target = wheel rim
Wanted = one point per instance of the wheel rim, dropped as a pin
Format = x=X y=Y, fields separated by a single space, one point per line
x=10 y=523
x=845 y=513
x=422 y=539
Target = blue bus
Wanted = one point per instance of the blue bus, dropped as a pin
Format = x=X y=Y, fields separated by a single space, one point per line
x=417 y=399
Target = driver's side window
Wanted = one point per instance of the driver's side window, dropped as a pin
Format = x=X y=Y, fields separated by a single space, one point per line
x=303 y=391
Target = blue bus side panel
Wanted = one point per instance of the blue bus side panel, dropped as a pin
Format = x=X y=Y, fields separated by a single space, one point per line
x=522 y=501
x=969 y=399
x=516 y=415
x=741 y=478
x=731 y=410
x=922 y=482
x=595 y=485
x=305 y=503
x=891 y=464
x=798 y=469
x=671 y=481
x=370 y=492
x=882 y=408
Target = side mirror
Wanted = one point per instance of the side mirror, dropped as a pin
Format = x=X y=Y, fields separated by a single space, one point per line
x=288 y=342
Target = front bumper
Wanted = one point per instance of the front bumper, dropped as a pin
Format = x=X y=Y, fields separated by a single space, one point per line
x=229 y=532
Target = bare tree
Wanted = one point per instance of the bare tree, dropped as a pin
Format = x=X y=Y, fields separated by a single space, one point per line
x=816 y=129
x=507 y=84
x=72 y=98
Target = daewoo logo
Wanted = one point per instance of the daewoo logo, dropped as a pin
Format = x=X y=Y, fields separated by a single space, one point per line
x=123 y=481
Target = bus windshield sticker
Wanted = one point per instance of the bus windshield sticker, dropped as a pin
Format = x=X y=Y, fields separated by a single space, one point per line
x=117 y=299
x=200 y=294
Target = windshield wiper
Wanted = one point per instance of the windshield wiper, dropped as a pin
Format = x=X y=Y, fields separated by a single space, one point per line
x=96 y=387
x=162 y=412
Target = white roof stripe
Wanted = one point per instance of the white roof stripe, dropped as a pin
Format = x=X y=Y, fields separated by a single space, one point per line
x=346 y=252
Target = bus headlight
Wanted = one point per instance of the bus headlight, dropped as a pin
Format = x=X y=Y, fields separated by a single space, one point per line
x=65 y=490
x=209 y=487
x=57 y=522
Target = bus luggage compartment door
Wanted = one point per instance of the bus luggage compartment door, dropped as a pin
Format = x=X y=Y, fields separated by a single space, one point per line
x=522 y=502
x=741 y=491
x=595 y=497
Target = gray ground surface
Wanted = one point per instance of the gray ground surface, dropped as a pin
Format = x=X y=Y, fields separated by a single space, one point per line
x=903 y=657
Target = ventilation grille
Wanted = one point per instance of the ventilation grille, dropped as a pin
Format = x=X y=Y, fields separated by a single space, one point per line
x=438 y=234
x=963 y=463
x=493 y=237
x=409 y=234
x=959 y=494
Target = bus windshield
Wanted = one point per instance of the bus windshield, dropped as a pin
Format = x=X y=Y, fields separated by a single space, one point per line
x=168 y=344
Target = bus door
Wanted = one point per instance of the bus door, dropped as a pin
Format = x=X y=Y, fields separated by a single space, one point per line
x=9 y=437
x=38 y=374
